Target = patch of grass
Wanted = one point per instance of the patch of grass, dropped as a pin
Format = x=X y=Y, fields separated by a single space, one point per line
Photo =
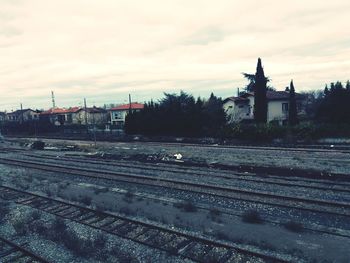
x=94 y=246
x=29 y=178
x=221 y=235
x=252 y=217
x=186 y=206
x=101 y=190
x=214 y=214
x=86 y=200
x=63 y=185
x=126 y=211
x=294 y=226
x=48 y=191
x=129 y=196
x=4 y=209
x=214 y=211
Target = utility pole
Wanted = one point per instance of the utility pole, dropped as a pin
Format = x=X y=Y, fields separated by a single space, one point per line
x=93 y=120
x=86 y=119
x=129 y=103
x=21 y=116
x=53 y=100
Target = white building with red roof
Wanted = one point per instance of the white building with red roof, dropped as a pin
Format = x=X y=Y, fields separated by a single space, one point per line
x=119 y=113
x=241 y=108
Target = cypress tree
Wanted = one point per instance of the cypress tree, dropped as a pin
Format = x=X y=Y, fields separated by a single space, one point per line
x=292 y=114
x=260 y=100
x=326 y=91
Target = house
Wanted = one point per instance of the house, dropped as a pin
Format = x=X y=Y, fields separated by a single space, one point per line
x=2 y=116
x=241 y=108
x=93 y=116
x=75 y=115
x=57 y=116
x=23 y=115
x=119 y=113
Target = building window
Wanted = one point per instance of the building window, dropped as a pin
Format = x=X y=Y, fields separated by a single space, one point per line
x=285 y=107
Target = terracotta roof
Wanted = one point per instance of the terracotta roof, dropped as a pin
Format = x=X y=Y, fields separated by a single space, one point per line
x=94 y=110
x=60 y=111
x=270 y=94
x=134 y=106
x=234 y=99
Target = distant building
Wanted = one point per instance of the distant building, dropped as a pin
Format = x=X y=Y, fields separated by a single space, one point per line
x=241 y=108
x=75 y=115
x=2 y=116
x=23 y=115
x=94 y=116
x=58 y=116
x=119 y=113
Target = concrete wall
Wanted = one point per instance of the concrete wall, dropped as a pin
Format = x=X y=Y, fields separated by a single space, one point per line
x=274 y=111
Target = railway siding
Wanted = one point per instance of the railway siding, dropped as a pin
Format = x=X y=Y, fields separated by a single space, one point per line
x=173 y=241
x=331 y=207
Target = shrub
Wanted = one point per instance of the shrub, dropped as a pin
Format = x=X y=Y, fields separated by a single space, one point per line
x=4 y=209
x=265 y=132
x=126 y=211
x=186 y=206
x=38 y=145
x=101 y=190
x=214 y=211
x=86 y=200
x=221 y=235
x=252 y=217
x=294 y=226
x=128 y=197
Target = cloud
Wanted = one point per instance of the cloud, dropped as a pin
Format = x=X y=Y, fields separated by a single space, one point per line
x=106 y=50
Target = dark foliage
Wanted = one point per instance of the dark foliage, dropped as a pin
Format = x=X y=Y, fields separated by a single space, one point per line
x=252 y=217
x=29 y=127
x=251 y=82
x=178 y=115
x=292 y=114
x=38 y=145
x=186 y=206
x=294 y=227
x=303 y=131
x=334 y=107
x=260 y=100
x=4 y=209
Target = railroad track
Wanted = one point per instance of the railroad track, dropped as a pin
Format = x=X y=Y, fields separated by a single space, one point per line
x=217 y=173
x=313 y=205
x=183 y=244
x=10 y=252
x=299 y=148
x=221 y=146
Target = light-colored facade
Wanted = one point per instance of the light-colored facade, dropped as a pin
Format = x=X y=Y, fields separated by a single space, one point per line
x=77 y=116
x=241 y=108
x=22 y=115
x=118 y=114
x=93 y=116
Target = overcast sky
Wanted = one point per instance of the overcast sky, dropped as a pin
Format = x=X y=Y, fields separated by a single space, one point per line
x=105 y=49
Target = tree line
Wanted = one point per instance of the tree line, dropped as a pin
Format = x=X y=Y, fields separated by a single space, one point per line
x=183 y=115
x=178 y=115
